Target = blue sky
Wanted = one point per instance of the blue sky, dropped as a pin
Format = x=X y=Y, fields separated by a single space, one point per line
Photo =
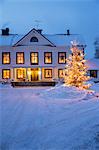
x=55 y=16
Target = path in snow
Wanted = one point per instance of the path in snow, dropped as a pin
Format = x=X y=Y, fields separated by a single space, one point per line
x=30 y=121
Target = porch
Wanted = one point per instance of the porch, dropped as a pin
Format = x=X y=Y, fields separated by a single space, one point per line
x=36 y=83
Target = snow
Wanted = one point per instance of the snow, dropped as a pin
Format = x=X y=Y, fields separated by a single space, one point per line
x=63 y=39
x=51 y=118
x=57 y=39
x=9 y=40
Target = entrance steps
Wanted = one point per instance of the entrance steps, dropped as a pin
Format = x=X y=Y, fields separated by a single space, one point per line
x=23 y=84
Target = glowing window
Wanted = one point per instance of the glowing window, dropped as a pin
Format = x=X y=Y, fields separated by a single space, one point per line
x=20 y=57
x=34 y=58
x=48 y=57
x=20 y=73
x=48 y=73
x=6 y=73
x=60 y=73
x=34 y=39
x=93 y=73
x=6 y=58
x=62 y=57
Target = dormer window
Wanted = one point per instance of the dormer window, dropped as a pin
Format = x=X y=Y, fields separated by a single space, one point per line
x=34 y=39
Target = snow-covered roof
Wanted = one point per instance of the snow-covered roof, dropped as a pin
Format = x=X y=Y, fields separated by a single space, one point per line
x=93 y=64
x=57 y=39
x=9 y=40
x=64 y=39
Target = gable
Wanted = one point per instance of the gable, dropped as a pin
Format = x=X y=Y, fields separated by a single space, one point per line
x=34 y=38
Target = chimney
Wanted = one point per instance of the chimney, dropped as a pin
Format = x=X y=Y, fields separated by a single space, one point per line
x=5 y=31
x=68 y=32
x=39 y=31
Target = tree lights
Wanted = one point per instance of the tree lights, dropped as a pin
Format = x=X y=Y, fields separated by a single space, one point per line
x=76 y=69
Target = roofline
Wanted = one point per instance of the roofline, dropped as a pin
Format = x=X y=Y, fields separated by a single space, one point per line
x=28 y=34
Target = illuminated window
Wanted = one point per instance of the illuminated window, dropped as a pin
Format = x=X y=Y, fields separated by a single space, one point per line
x=48 y=57
x=6 y=73
x=34 y=39
x=34 y=58
x=6 y=58
x=61 y=57
x=93 y=73
x=48 y=73
x=60 y=73
x=20 y=73
x=20 y=57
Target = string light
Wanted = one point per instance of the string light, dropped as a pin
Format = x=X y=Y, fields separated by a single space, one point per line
x=75 y=73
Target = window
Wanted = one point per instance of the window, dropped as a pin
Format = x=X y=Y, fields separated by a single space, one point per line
x=48 y=57
x=93 y=73
x=60 y=73
x=20 y=57
x=34 y=39
x=34 y=58
x=6 y=58
x=20 y=73
x=6 y=73
x=48 y=73
x=62 y=57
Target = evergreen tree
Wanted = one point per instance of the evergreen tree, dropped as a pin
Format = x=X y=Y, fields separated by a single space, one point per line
x=75 y=73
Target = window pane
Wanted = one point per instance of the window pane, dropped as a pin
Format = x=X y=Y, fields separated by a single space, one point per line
x=34 y=58
x=6 y=74
x=20 y=58
x=48 y=57
x=61 y=57
x=93 y=73
x=6 y=58
x=20 y=73
x=34 y=39
x=60 y=73
x=48 y=73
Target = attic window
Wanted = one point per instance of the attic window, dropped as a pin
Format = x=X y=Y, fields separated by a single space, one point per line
x=34 y=39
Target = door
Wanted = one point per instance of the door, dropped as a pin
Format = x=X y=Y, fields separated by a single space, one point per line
x=34 y=74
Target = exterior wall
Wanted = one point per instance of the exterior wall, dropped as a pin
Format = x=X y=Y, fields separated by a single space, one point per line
x=27 y=50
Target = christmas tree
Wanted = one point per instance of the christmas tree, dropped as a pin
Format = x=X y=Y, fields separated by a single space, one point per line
x=75 y=73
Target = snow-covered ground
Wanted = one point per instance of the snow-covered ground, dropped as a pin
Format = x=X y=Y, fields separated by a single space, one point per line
x=48 y=118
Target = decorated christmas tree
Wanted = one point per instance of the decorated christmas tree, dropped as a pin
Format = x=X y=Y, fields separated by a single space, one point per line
x=75 y=73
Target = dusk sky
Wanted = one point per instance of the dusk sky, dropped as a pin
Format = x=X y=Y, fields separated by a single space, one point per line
x=55 y=16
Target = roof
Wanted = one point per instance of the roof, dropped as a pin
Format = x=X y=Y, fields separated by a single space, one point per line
x=57 y=39
x=64 y=39
x=9 y=40
x=93 y=64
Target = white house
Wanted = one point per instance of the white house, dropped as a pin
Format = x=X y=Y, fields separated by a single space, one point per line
x=93 y=63
x=35 y=57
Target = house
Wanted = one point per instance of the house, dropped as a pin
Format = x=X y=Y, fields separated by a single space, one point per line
x=35 y=57
x=93 y=70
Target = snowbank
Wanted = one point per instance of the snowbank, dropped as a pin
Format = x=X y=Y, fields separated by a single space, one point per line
x=63 y=92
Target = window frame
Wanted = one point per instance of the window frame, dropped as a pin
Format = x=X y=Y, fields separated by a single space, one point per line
x=23 y=73
x=59 y=72
x=3 y=73
x=45 y=74
x=3 y=58
x=95 y=72
x=58 y=57
x=37 y=58
x=45 y=58
x=17 y=58
x=34 y=39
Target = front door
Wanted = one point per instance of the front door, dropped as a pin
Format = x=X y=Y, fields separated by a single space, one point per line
x=34 y=74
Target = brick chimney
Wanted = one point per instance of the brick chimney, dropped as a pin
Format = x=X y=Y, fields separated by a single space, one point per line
x=39 y=31
x=5 y=31
x=68 y=32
